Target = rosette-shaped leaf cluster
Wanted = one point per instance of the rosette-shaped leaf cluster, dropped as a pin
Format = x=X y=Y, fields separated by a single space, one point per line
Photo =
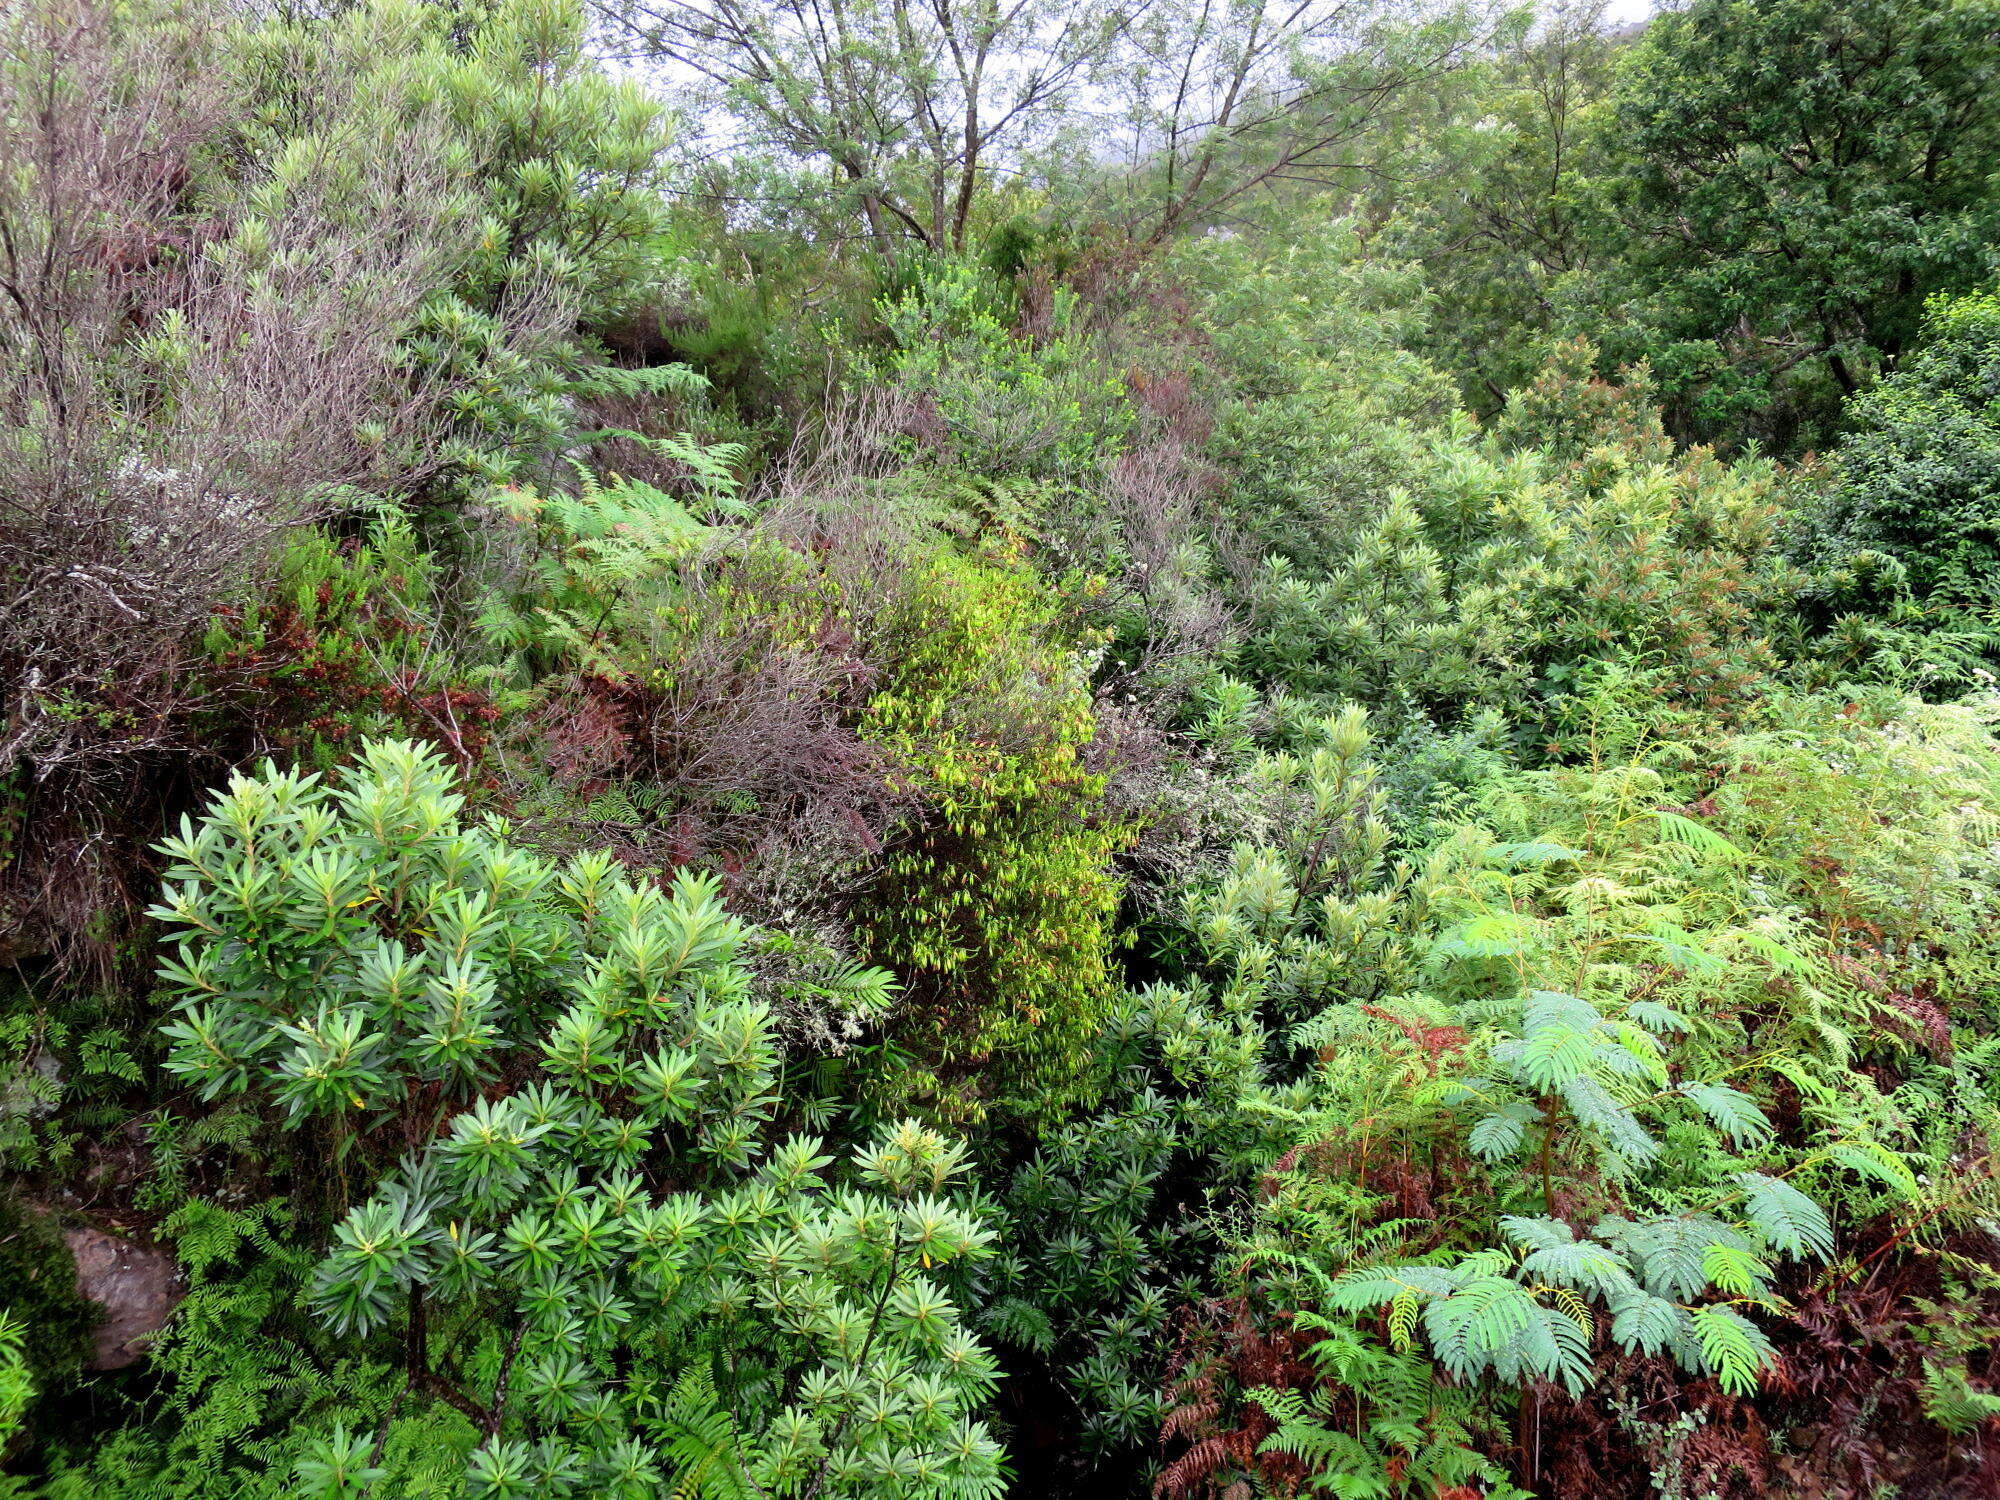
x=594 y=1248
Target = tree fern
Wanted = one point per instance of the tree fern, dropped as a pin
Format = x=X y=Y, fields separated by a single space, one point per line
x=1734 y=1348
x=1785 y=1217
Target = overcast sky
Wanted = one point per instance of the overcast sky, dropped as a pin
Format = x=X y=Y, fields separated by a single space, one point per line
x=1618 y=12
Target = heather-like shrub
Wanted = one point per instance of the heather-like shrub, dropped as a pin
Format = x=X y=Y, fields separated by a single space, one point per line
x=562 y=171
x=1502 y=583
x=993 y=402
x=200 y=349
x=691 y=689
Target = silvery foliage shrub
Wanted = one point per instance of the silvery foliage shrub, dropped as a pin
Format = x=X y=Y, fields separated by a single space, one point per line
x=592 y=1246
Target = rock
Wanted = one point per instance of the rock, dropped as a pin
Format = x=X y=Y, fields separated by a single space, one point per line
x=138 y=1289
x=34 y=1092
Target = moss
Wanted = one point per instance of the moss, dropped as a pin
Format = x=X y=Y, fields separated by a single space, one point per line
x=38 y=1285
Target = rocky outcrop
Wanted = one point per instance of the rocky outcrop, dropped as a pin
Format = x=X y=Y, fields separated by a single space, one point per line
x=137 y=1287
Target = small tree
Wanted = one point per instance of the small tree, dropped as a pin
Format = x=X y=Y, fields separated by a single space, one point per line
x=590 y=1248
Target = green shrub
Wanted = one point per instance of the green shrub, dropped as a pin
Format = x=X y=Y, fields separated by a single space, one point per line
x=555 y=170
x=996 y=907
x=1321 y=408
x=1902 y=548
x=1502 y=582
x=993 y=401
x=54 y=1322
x=594 y=1249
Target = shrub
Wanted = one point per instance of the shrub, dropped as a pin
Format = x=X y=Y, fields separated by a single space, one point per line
x=1320 y=407
x=692 y=692
x=1902 y=546
x=260 y=269
x=994 y=402
x=561 y=171
x=202 y=350
x=996 y=907
x=1501 y=583
x=593 y=1249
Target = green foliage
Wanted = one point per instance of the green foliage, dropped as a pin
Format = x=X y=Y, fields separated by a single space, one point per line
x=1788 y=215
x=994 y=403
x=1650 y=1145
x=346 y=643
x=66 y=1066
x=560 y=1254
x=244 y=1386
x=1508 y=217
x=336 y=949
x=1456 y=963
x=53 y=1322
x=1500 y=581
x=996 y=910
x=1324 y=409
x=1425 y=1445
x=1106 y=1234
x=591 y=553
x=17 y=1382
x=1900 y=546
x=551 y=174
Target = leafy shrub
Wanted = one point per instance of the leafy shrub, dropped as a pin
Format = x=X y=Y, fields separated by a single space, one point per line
x=1502 y=579
x=204 y=339
x=813 y=705
x=1320 y=408
x=1902 y=547
x=263 y=270
x=561 y=168
x=591 y=1251
x=53 y=1322
x=1106 y=1236
x=1566 y=411
x=994 y=403
x=996 y=907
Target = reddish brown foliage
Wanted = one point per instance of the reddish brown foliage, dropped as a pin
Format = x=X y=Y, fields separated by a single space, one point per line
x=304 y=681
x=1434 y=1042
x=1841 y=1419
x=1228 y=1346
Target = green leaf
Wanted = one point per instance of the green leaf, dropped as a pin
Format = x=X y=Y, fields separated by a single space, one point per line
x=1698 y=840
x=1733 y=1112
x=1645 y=1323
x=1492 y=935
x=1499 y=1134
x=1786 y=1218
x=1735 y=1271
x=1734 y=1347
x=1874 y=1160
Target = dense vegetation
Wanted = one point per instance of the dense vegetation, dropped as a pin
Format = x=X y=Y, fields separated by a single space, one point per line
x=814 y=748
